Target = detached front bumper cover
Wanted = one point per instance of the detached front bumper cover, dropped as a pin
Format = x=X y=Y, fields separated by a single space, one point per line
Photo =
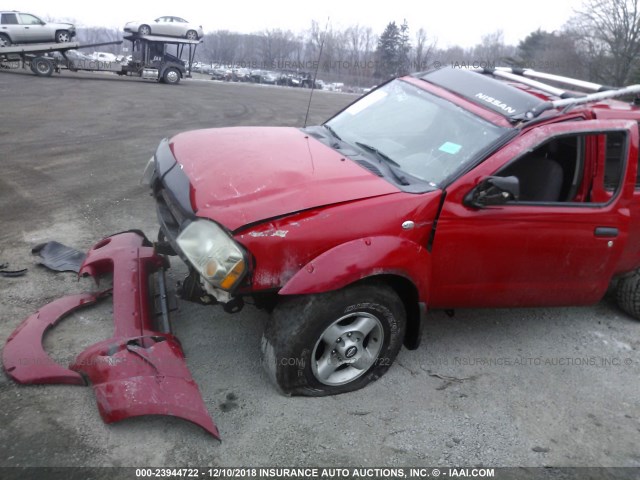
x=141 y=370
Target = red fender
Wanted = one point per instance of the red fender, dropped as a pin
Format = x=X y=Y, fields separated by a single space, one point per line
x=358 y=259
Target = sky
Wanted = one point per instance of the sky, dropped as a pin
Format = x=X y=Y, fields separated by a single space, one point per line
x=451 y=22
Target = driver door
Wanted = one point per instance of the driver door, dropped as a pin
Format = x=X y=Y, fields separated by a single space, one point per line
x=165 y=26
x=34 y=29
x=557 y=245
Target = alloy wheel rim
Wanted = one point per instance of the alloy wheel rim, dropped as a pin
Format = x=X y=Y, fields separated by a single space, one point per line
x=347 y=349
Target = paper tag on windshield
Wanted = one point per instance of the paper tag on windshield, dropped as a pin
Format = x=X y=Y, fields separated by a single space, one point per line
x=365 y=102
x=450 y=147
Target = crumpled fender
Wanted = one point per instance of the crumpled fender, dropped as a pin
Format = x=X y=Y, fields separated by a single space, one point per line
x=358 y=259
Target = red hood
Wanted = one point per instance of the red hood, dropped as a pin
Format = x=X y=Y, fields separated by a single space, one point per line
x=246 y=174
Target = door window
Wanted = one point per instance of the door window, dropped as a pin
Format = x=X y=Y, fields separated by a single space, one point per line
x=559 y=171
x=9 y=19
x=27 y=19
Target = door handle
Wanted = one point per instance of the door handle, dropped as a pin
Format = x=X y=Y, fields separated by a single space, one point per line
x=606 y=232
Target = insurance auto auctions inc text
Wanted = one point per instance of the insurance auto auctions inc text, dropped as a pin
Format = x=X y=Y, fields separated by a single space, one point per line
x=388 y=473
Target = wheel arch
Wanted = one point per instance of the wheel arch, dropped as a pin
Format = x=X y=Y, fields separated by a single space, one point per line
x=299 y=322
x=60 y=30
x=402 y=264
x=166 y=66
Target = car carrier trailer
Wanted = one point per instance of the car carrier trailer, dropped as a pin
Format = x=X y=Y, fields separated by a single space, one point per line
x=150 y=58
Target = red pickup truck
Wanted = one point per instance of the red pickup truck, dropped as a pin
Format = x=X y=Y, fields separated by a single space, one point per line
x=446 y=189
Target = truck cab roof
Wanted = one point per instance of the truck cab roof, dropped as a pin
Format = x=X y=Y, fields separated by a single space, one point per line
x=509 y=93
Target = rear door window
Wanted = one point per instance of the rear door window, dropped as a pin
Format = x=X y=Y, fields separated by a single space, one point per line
x=9 y=19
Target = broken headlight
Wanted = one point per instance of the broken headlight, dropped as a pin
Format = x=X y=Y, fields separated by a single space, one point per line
x=214 y=254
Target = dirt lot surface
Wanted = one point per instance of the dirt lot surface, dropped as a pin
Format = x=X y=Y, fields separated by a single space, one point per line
x=528 y=387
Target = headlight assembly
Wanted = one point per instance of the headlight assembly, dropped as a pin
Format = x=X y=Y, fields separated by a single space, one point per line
x=217 y=257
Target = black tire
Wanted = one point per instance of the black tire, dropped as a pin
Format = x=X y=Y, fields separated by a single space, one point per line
x=5 y=41
x=295 y=344
x=144 y=30
x=628 y=294
x=191 y=35
x=171 y=76
x=63 y=36
x=43 y=67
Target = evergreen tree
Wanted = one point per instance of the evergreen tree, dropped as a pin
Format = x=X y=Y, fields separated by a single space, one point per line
x=532 y=44
x=387 y=51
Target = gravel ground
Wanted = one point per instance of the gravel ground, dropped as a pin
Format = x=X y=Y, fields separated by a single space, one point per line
x=534 y=387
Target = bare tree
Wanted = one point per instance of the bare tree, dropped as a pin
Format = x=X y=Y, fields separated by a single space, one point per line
x=354 y=34
x=451 y=55
x=87 y=35
x=314 y=38
x=277 y=45
x=222 y=47
x=423 y=50
x=369 y=42
x=609 y=35
x=492 y=51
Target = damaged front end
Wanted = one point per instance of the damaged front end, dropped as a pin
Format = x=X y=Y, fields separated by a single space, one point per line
x=217 y=263
x=141 y=369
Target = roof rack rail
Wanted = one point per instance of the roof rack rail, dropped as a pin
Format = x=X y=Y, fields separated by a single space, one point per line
x=574 y=82
x=567 y=99
x=592 y=97
x=499 y=72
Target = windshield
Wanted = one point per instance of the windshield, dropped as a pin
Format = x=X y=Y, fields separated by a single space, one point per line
x=420 y=133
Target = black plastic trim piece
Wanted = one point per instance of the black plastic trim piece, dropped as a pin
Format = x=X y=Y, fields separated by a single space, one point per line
x=435 y=221
x=610 y=232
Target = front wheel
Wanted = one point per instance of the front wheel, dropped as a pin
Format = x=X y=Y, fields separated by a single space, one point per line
x=171 y=76
x=192 y=35
x=144 y=30
x=4 y=41
x=63 y=36
x=335 y=342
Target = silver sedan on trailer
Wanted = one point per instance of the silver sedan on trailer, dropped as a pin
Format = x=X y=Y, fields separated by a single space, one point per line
x=167 y=26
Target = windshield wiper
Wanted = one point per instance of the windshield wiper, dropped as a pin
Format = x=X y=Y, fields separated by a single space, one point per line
x=381 y=155
x=387 y=159
x=332 y=131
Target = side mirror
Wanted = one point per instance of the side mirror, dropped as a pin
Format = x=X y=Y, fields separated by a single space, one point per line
x=494 y=191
